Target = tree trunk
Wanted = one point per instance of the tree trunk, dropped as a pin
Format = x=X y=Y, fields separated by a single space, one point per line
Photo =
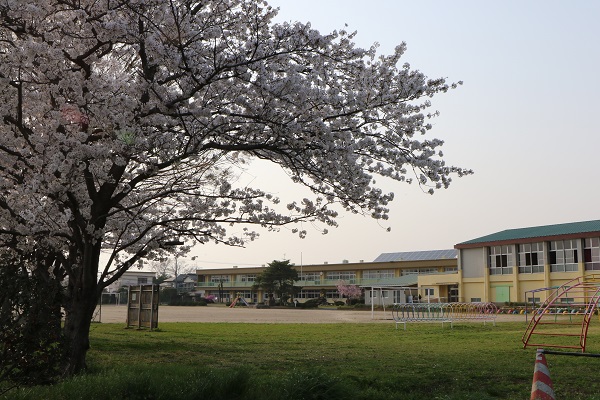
x=76 y=332
x=80 y=303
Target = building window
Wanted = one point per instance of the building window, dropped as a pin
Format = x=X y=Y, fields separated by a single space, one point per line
x=142 y=281
x=383 y=274
x=248 y=278
x=429 y=291
x=531 y=258
x=219 y=278
x=475 y=299
x=419 y=271
x=309 y=294
x=412 y=271
x=348 y=276
x=500 y=260
x=310 y=276
x=563 y=256
x=591 y=254
x=450 y=269
x=428 y=271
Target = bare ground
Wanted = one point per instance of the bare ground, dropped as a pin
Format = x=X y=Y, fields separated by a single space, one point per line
x=218 y=313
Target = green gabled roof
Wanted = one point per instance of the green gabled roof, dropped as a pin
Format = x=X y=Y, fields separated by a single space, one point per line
x=571 y=228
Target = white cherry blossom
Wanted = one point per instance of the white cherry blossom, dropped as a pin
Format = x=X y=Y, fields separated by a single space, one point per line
x=125 y=124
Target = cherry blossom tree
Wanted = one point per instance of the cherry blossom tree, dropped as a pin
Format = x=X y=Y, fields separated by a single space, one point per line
x=348 y=291
x=126 y=123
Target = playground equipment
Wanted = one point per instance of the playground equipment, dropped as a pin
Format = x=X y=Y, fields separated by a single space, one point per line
x=443 y=312
x=570 y=308
x=240 y=299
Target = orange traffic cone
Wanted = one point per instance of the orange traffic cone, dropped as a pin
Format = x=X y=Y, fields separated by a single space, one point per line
x=541 y=389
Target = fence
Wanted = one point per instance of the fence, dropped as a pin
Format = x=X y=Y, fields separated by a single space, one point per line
x=443 y=312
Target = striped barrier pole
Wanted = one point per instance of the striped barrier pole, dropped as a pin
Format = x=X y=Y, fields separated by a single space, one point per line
x=541 y=389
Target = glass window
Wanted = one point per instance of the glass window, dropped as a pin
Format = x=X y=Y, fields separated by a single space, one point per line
x=412 y=271
x=248 y=278
x=591 y=254
x=426 y=271
x=342 y=275
x=310 y=276
x=500 y=260
x=531 y=258
x=422 y=271
x=383 y=274
x=309 y=294
x=563 y=256
x=219 y=278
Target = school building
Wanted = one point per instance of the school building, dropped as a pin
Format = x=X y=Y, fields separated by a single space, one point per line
x=506 y=266
x=511 y=265
x=390 y=278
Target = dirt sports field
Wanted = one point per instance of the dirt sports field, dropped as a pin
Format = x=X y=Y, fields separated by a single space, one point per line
x=215 y=313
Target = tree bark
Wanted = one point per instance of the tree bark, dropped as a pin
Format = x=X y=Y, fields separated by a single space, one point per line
x=76 y=333
x=81 y=300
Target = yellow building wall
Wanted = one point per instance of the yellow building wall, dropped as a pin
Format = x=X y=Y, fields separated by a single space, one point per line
x=435 y=280
x=439 y=283
x=472 y=288
x=560 y=278
x=529 y=282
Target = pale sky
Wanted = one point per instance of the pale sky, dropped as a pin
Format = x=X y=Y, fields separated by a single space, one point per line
x=525 y=121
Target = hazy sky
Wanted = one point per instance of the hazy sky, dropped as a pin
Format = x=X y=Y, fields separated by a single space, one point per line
x=525 y=121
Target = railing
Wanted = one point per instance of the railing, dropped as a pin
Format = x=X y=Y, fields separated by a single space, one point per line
x=226 y=285
x=320 y=282
x=443 y=312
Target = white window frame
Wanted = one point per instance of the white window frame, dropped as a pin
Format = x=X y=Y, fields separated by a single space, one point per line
x=500 y=260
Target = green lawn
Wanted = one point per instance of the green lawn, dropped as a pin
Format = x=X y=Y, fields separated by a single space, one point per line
x=315 y=361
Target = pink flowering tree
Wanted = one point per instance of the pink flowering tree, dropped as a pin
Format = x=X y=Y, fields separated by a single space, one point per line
x=125 y=125
x=348 y=291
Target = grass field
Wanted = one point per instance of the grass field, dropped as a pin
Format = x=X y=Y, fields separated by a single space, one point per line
x=319 y=361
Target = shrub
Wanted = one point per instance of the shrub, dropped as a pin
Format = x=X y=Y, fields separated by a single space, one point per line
x=30 y=331
x=357 y=301
x=168 y=295
x=310 y=303
x=191 y=303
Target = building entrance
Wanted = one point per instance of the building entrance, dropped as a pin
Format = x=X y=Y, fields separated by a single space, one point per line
x=452 y=293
